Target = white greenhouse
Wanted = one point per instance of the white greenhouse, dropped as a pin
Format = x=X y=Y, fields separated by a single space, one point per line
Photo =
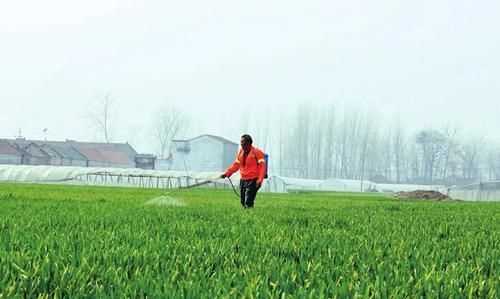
x=134 y=177
x=131 y=177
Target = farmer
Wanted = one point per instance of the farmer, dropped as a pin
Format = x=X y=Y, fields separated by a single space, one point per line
x=251 y=163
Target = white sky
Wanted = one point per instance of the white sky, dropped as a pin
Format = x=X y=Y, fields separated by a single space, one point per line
x=430 y=62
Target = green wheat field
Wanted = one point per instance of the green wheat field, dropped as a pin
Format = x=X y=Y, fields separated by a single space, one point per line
x=96 y=242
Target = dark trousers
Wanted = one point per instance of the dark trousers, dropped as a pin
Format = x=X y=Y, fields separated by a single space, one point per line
x=248 y=192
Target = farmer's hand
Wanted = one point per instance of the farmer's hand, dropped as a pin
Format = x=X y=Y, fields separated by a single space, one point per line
x=223 y=176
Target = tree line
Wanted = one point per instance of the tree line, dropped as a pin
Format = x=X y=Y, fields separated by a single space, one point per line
x=319 y=142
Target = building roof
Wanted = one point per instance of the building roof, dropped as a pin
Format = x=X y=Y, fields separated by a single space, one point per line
x=8 y=149
x=50 y=151
x=113 y=153
x=218 y=138
x=27 y=147
x=53 y=148
x=35 y=150
x=65 y=150
x=147 y=156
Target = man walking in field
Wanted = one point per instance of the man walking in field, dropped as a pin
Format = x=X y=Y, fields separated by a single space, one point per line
x=251 y=163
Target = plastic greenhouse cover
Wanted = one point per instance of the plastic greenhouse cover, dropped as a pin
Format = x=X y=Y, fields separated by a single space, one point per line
x=31 y=173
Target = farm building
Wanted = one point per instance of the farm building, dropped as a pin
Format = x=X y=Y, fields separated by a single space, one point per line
x=202 y=153
x=71 y=153
x=120 y=155
x=48 y=153
x=34 y=155
x=145 y=161
x=9 y=154
x=64 y=154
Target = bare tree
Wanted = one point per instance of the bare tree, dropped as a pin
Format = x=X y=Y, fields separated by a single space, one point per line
x=316 y=148
x=432 y=144
x=469 y=155
x=449 y=149
x=415 y=163
x=281 y=141
x=299 y=148
x=168 y=124
x=384 y=154
x=347 y=145
x=493 y=163
x=329 y=135
x=398 y=148
x=342 y=149
x=263 y=129
x=365 y=143
x=101 y=116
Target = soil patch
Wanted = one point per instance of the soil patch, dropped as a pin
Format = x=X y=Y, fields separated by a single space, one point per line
x=423 y=194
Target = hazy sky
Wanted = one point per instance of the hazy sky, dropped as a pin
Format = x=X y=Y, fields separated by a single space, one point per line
x=430 y=62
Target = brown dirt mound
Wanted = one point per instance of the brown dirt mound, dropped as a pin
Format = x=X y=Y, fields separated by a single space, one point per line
x=423 y=194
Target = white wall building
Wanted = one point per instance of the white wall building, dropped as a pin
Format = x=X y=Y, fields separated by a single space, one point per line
x=203 y=153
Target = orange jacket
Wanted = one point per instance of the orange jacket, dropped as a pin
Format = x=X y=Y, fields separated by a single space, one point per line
x=253 y=167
